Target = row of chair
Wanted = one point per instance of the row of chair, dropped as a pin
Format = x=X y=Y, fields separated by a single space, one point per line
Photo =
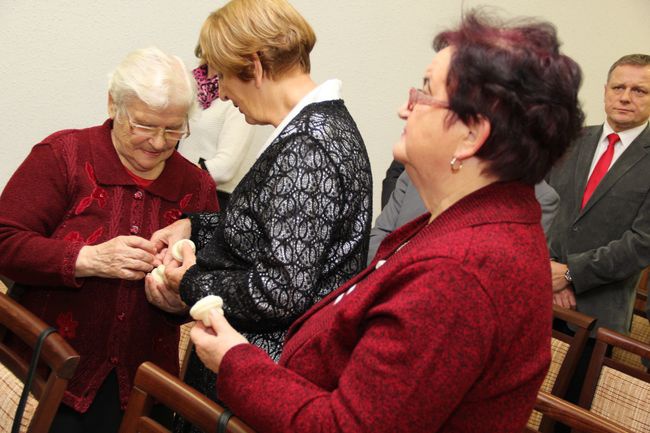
x=58 y=362
x=617 y=385
x=615 y=395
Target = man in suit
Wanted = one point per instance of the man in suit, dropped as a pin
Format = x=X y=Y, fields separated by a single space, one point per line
x=600 y=239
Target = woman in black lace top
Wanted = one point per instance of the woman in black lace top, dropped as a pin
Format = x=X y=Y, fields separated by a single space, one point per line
x=297 y=224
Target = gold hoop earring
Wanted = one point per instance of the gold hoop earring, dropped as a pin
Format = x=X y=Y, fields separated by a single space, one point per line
x=456 y=164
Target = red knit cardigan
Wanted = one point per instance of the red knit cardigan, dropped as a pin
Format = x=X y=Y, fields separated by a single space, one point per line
x=451 y=334
x=71 y=191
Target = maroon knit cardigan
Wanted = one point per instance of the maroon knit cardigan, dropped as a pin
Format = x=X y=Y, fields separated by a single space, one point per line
x=71 y=191
x=451 y=334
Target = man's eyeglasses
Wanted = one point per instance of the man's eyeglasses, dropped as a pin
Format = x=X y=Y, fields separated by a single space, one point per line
x=170 y=135
x=417 y=96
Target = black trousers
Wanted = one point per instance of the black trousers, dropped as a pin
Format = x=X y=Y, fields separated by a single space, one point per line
x=104 y=414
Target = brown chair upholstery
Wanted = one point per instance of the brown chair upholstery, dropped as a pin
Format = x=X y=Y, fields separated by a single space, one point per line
x=50 y=382
x=614 y=389
x=573 y=416
x=565 y=353
x=154 y=384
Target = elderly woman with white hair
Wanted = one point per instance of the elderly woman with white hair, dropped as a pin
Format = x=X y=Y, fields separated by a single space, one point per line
x=75 y=220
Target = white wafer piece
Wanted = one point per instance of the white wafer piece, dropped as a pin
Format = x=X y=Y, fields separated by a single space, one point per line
x=159 y=274
x=200 y=310
x=177 y=252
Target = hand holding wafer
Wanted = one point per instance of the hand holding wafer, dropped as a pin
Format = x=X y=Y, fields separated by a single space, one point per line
x=177 y=249
x=200 y=310
x=177 y=253
x=163 y=284
x=214 y=341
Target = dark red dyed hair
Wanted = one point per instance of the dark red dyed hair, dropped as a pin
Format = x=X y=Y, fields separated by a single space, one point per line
x=515 y=76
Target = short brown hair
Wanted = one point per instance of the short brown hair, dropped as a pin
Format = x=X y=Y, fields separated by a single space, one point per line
x=630 y=59
x=272 y=29
x=514 y=75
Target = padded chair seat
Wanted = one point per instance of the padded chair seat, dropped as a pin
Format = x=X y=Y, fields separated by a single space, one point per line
x=623 y=399
x=615 y=390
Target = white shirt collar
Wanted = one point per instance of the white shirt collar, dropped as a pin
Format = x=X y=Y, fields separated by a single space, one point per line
x=330 y=90
x=626 y=137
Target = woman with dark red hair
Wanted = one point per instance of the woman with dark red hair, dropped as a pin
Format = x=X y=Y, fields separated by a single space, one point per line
x=449 y=328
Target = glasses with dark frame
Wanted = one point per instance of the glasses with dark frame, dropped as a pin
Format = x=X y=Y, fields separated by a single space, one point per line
x=417 y=96
x=170 y=135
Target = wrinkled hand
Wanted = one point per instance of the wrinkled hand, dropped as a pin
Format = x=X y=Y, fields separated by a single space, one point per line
x=166 y=296
x=125 y=257
x=175 y=271
x=168 y=236
x=557 y=276
x=213 y=342
x=161 y=296
x=162 y=258
x=565 y=298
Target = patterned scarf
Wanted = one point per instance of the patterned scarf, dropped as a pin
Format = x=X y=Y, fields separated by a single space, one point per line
x=207 y=88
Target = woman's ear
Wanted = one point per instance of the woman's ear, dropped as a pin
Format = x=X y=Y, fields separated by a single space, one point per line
x=476 y=135
x=258 y=70
x=112 y=109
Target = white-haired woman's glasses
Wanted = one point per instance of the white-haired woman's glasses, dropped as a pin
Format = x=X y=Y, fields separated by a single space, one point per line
x=153 y=131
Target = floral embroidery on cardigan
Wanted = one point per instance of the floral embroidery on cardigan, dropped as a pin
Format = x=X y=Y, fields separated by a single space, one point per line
x=75 y=236
x=98 y=193
x=173 y=214
x=67 y=325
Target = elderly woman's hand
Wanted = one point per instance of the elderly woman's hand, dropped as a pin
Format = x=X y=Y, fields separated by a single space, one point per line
x=163 y=297
x=212 y=343
x=125 y=257
x=168 y=236
x=174 y=271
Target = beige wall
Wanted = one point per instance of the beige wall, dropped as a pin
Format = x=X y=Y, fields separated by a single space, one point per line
x=56 y=55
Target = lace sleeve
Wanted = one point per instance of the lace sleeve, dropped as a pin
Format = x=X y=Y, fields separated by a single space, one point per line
x=203 y=227
x=267 y=262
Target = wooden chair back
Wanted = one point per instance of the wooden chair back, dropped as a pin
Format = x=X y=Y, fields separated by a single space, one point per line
x=573 y=416
x=152 y=384
x=614 y=389
x=58 y=358
x=565 y=353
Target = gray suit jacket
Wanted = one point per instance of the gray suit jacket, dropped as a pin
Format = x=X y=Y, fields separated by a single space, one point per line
x=405 y=205
x=606 y=244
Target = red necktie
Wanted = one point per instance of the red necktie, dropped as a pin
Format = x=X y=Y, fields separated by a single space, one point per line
x=600 y=169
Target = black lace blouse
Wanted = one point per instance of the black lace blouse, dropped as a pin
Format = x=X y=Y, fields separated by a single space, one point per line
x=296 y=227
